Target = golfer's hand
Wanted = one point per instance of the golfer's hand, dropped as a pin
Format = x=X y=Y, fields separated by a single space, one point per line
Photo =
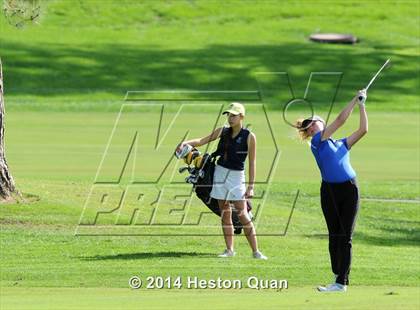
x=361 y=96
x=249 y=192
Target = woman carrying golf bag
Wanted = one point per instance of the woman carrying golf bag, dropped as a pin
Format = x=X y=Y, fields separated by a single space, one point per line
x=235 y=144
x=339 y=190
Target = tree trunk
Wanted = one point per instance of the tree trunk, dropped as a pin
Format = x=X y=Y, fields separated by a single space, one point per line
x=7 y=184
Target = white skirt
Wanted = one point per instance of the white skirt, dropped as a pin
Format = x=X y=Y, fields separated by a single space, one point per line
x=228 y=184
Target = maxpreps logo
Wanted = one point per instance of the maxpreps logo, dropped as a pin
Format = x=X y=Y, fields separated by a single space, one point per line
x=138 y=189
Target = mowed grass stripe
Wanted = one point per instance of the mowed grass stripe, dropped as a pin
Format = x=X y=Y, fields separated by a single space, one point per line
x=359 y=297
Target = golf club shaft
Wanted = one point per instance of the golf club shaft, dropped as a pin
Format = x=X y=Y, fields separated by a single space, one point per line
x=377 y=73
x=374 y=77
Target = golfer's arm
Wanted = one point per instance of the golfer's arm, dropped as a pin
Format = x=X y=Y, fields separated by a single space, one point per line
x=340 y=120
x=202 y=141
x=252 y=153
x=363 y=127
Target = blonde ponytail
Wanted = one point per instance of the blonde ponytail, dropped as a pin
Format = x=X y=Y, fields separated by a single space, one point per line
x=303 y=134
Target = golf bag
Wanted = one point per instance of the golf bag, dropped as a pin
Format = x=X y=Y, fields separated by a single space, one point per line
x=203 y=187
x=201 y=176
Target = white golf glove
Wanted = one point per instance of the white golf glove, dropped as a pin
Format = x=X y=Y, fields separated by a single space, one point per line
x=361 y=97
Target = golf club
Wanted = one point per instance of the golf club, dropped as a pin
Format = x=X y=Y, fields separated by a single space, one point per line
x=374 y=77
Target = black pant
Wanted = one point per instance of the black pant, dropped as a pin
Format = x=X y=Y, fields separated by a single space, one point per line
x=340 y=203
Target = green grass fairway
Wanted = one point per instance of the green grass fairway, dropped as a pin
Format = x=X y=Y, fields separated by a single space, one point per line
x=39 y=248
x=362 y=297
x=65 y=81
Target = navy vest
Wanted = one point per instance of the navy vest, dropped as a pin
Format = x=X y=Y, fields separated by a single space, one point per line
x=233 y=151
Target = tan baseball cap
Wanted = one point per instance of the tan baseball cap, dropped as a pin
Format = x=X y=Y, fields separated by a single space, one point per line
x=235 y=108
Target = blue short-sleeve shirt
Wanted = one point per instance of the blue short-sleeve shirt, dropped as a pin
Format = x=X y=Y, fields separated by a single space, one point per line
x=333 y=159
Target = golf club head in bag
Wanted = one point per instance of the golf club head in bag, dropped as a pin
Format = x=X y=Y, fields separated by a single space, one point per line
x=183 y=151
x=193 y=159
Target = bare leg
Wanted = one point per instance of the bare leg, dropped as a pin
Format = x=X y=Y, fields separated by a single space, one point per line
x=249 y=228
x=227 y=225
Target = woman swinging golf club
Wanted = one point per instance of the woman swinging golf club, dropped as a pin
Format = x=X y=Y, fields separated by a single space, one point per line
x=339 y=190
x=229 y=177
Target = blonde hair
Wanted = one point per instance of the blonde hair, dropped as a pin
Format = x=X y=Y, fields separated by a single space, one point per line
x=302 y=133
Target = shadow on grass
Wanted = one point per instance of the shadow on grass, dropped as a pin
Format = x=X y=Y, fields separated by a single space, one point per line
x=389 y=231
x=384 y=236
x=392 y=236
x=147 y=255
x=61 y=70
